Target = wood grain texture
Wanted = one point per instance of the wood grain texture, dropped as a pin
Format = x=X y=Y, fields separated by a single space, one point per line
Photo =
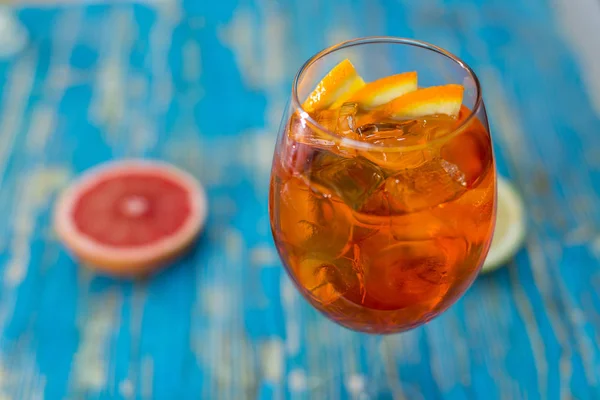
x=203 y=85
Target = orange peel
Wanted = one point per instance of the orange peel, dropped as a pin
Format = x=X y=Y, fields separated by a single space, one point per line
x=384 y=90
x=446 y=99
x=340 y=82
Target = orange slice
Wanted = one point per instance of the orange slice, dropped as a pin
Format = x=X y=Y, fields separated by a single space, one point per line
x=342 y=80
x=433 y=100
x=384 y=90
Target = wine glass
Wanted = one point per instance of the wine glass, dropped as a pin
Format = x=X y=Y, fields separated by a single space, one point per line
x=382 y=223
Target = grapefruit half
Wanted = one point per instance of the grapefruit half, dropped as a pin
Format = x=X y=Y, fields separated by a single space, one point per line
x=128 y=218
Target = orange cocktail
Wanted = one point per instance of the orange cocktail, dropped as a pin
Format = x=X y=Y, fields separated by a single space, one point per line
x=382 y=198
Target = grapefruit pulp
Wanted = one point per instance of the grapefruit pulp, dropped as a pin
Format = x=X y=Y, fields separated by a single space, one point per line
x=128 y=218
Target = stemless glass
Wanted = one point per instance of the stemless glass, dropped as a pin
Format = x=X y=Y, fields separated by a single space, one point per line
x=383 y=236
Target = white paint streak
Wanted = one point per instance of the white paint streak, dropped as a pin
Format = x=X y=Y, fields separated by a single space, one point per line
x=339 y=34
x=343 y=32
x=36 y=191
x=539 y=269
x=489 y=335
x=218 y=301
x=16 y=96
x=579 y=20
x=143 y=134
x=6 y=381
x=126 y=389
x=128 y=386
x=60 y=75
x=13 y=35
x=137 y=86
x=256 y=154
x=272 y=360
x=189 y=154
x=109 y=104
x=264 y=144
x=580 y=235
x=503 y=114
x=356 y=384
x=35 y=188
x=511 y=133
x=275 y=48
x=443 y=355
x=262 y=66
x=392 y=374
x=54 y=3
x=160 y=42
x=191 y=61
x=264 y=257
x=297 y=381
x=98 y=319
x=239 y=36
x=42 y=125
x=146 y=377
x=289 y=299
x=595 y=247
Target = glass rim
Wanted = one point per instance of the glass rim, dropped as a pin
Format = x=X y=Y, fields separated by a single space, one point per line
x=297 y=104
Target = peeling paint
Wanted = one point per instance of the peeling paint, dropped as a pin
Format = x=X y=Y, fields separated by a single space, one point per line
x=580 y=27
x=37 y=190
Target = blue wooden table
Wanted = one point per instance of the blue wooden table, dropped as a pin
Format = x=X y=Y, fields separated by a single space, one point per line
x=203 y=84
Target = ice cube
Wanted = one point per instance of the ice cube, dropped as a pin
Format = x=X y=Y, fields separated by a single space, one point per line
x=429 y=185
x=453 y=172
x=301 y=130
x=327 y=119
x=294 y=156
x=352 y=179
x=391 y=142
x=308 y=221
x=295 y=221
x=470 y=152
x=331 y=228
x=406 y=274
x=403 y=144
x=346 y=123
x=389 y=134
x=325 y=279
x=396 y=159
x=377 y=203
x=473 y=211
x=337 y=121
x=340 y=120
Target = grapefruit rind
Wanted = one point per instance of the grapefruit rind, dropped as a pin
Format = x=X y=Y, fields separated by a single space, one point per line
x=138 y=260
x=384 y=90
x=341 y=81
x=432 y=100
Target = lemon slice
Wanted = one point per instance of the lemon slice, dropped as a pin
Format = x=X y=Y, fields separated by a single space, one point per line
x=509 y=233
x=433 y=100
